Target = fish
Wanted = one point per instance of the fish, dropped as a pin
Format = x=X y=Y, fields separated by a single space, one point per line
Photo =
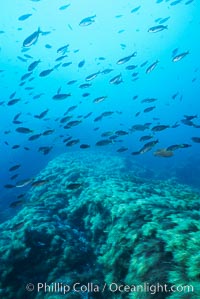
x=16 y=203
x=48 y=46
x=64 y=7
x=180 y=56
x=159 y=128
x=61 y=96
x=34 y=137
x=135 y=9
x=48 y=132
x=126 y=59
x=12 y=102
x=46 y=72
x=157 y=28
x=107 y=71
x=32 y=39
x=12 y=95
x=24 y=17
x=116 y=80
x=23 y=183
x=72 y=123
x=196 y=139
x=85 y=94
x=151 y=67
x=121 y=133
x=66 y=64
x=42 y=114
x=139 y=127
x=92 y=76
x=85 y=85
x=148 y=109
x=62 y=50
x=103 y=142
x=14 y=167
x=81 y=63
x=61 y=57
x=9 y=186
x=173 y=147
x=84 y=146
x=73 y=186
x=22 y=58
x=33 y=65
x=17 y=226
x=39 y=183
x=65 y=119
x=99 y=99
x=45 y=149
x=72 y=142
x=131 y=67
x=122 y=149
x=87 y=21
x=13 y=177
x=25 y=76
x=145 y=137
x=164 y=20
x=24 y=130
x=163 y=153
x=185 y=145
x=71 y=82
x=15 y=146
x=148 y=146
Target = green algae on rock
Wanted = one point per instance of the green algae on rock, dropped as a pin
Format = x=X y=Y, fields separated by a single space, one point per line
x=116 y=227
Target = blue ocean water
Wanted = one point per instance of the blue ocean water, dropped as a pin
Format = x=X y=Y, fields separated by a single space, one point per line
x=109 y=31
x=99 y=143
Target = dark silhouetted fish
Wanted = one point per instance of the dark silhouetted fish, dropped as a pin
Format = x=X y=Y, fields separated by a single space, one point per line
x=46 y=72
x=196 y=139
x=122 y=149
x=84 y=146
x=73 y=186
x=62 y=50
x=159 y=128
x=23 y=130
x=61 y=96
x=116 y=80
x=135 y=9
x=16 y=203
x=42 y=114
x=87 y=21
x=34 y=137
x=157 y=28
x=33 y=65
x=31 y=39
x=72 y=142
x=14 y=167
x=39 y=183
x=81 y=63
x=13 y=102
x=103 y=142
x=163 y=153
x=24 y=17
x=126 y=59
x=45 y=149
x=148 y=146
x=180 y=56
x=151 y=67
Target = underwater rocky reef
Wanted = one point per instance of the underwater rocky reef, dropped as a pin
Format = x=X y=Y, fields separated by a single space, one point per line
x=94 y=219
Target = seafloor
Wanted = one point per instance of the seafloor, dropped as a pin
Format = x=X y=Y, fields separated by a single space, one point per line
x=96 y=220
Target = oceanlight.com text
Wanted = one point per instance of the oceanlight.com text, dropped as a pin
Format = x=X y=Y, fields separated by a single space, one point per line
x=113 y=287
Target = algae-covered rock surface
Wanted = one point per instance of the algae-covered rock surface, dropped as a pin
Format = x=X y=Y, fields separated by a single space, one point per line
x=92 y=224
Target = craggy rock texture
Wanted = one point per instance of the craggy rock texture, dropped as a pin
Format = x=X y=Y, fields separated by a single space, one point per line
x=95 y=220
